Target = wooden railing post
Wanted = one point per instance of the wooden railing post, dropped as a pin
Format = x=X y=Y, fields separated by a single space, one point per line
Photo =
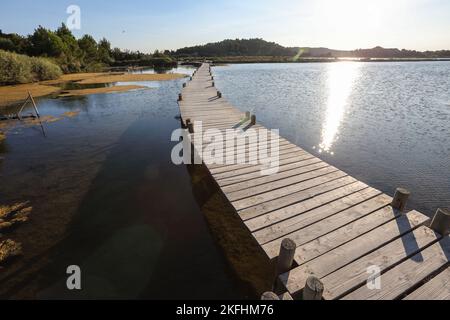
x=269 y=296
x=219 y=94
x=400 y=198
x=253 y=120
x=286 y=256
x=180 y=97
x=441 y=221
x=313 y=289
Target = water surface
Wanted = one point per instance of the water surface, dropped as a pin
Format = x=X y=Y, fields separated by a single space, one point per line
x=107 y=197
x=385 y=123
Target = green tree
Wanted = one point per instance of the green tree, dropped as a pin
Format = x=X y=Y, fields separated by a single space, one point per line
x=90 y=50
x=71 y=57
x=104 y=51
x=46 y=43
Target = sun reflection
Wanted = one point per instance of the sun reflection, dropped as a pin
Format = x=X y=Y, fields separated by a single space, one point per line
x=341 y=78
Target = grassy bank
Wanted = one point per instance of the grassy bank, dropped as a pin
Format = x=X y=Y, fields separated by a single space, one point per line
x=18 y=68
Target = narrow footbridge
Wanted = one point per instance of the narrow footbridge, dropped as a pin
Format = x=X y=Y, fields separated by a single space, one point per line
x=331 y=236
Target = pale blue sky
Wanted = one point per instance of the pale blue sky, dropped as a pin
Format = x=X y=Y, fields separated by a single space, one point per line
x=148 y=25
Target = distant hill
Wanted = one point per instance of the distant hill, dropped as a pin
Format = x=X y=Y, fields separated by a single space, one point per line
x=260 y=47
x=238 y=47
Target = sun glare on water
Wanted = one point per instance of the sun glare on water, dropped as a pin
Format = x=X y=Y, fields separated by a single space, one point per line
x=341 y=80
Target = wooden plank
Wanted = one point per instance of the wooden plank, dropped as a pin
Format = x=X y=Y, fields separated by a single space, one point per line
x=358 y=247
x=338 y=237
x=235 y=189
x=284 y=151
x=278 y=198
x=221 y=172
x=327 y=225
x=308 y=218
x=438 y=288
x=279 y=215
x=350 y=277
x=272 y=185
x=286 y=165
x=407 y=274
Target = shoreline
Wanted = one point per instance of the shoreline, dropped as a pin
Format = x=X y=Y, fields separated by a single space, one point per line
x=249 y=60
x=13 y=94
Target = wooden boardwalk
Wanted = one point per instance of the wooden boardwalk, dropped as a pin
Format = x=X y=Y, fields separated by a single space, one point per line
x=342 y=228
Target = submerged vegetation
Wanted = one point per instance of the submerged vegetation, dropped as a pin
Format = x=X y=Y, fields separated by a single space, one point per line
x=11 y=217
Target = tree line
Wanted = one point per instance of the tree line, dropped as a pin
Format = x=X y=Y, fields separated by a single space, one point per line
x=261 y=48
x=76 y=55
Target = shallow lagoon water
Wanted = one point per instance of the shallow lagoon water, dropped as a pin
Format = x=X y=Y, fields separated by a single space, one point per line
x=107 y=197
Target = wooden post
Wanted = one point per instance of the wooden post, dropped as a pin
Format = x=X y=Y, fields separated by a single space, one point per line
x=400 y=198
x=313 y=289
x=184 y=85
x=212 y=77
x=286 y=256
x=180 y=97
x=190 y=78
x=253 y=120
x=441 y=221
x=190 y=127
x=213 y=84
x=219 y=94
x=266 y=296
x=34 y=104
x=247 y=115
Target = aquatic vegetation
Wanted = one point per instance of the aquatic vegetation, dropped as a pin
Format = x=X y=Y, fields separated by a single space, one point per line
x=9 y=249
x=10 y=217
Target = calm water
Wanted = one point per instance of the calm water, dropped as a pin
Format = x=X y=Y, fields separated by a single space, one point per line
x=105 y=195
x=387 y=124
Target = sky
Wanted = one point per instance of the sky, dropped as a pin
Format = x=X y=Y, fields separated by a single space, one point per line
x=147 y=25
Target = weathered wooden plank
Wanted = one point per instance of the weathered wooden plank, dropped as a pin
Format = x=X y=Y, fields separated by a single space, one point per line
x=438 y=288
x=237 y=169
x=358 y=247
x=285 y=165
x=253 y=183
x=350 y=277
x=284 y=152
x=302 y=207
x=407 y=274
x=319 y=213
x=328 y=224
x=278 y=198
x=338 y=237
x=272 y=185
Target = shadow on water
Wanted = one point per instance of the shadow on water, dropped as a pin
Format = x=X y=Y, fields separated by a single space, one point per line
x=138 y=233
